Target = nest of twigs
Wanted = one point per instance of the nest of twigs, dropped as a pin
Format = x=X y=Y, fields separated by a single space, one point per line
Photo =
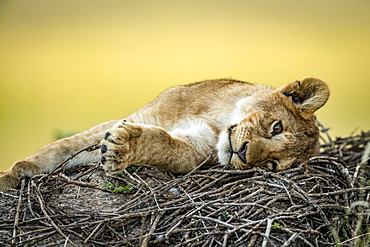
x=322 y=203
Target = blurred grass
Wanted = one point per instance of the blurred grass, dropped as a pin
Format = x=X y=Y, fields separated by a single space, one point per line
x=71 y=65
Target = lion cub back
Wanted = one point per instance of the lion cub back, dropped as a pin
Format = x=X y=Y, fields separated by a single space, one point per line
x=209 y=100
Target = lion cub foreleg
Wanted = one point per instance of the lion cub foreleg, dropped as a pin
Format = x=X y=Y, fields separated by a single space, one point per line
x=53 y=154
x=146 y=144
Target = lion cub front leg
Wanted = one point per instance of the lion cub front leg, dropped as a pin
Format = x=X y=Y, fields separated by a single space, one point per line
x=54 y=154
x=145 y=144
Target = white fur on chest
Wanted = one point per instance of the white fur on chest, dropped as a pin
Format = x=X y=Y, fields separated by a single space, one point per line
x=197 y=132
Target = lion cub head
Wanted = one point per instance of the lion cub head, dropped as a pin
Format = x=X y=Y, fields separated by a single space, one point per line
x=278 y=128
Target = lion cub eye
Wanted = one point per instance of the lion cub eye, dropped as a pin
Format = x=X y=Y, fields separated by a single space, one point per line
x=277 y=128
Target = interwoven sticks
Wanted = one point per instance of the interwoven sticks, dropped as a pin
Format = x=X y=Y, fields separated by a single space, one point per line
x=321 y=203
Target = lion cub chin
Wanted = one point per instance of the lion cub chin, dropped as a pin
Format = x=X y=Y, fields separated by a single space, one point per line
x=238 y=123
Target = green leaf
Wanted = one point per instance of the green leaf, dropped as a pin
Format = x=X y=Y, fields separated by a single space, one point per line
x=276 y=225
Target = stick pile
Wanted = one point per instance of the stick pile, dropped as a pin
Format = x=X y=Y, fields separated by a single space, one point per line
x=321 y=203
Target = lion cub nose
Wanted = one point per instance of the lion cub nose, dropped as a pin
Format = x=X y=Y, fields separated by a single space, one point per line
x=242 y=153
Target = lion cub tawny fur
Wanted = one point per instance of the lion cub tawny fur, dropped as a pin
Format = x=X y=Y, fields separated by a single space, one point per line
x=239 y=123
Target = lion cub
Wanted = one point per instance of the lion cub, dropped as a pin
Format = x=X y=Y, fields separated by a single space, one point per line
x=239 y=123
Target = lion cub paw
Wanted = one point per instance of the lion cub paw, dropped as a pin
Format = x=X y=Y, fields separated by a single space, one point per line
x=116 y=147
x=7 y=181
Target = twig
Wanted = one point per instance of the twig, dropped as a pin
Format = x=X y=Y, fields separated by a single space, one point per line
x=364 y=159
x=226 y=236
x=229 y=171
x=93 y=232
x=62 y=164
x=80 y=183
x=29 y=200
x=290 y=240
x=217 y=221
x=267 y=232
x=143 y=219
x=151 y=190
x=325 y=130
x=338 y=192
x=356 y=237
x=66 y=242
x=10 y=195
x=16 y=220
x=152 y=229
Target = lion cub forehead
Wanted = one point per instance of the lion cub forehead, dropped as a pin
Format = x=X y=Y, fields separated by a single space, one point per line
x=260 y=101
x=262 y=113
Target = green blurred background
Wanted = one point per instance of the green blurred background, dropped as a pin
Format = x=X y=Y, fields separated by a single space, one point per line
x=68 y=65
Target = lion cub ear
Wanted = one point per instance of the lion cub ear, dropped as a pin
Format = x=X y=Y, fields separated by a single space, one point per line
x=308 y=94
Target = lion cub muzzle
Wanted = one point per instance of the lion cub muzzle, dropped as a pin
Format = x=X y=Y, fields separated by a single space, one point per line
x=242 y=152
x=248 y=149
